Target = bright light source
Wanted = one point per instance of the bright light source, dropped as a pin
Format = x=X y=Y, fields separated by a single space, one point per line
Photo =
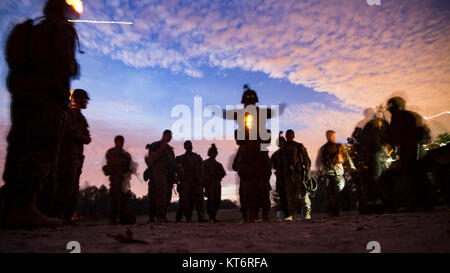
x=248 y=121
x=76 y=4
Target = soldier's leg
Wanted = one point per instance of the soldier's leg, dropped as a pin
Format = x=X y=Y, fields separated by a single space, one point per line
x=332 y=197
x=291 y=196
x=70 y=211
x=33 y=147
x=264 y=197
x=408 y=160
x=209 y=194
x=180 y=209
x=127 y=217
x=114 y=194
x=305 y=200
x=217 y=199
x=283 y=197
x=151 y=200
x=168 y=200
x=66 y=175
x=251 y=199
x=339 y=187
x=242 y=199
x=161 y=197
x=188 y=201
x=199 y=203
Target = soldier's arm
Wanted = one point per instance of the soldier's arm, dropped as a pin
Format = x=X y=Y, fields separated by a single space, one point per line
x=306 y=159
x=222 y=171
x=202 y=170
x=319 y=163
x=86 y=133
x=75 y=130
x=64 y=50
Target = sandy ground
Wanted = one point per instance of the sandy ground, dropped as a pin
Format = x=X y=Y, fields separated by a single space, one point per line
x=403 y=232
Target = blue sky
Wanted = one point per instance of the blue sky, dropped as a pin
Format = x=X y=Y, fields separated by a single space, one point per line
x=326 y=60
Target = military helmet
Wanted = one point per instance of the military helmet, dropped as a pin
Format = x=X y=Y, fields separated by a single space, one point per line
x=249 y=96
x=61 y=7
x=396 y=103
x=310 y=183
x=212 y=149
x=79 y=94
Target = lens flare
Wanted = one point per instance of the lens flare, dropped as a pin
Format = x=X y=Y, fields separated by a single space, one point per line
x=248 y=121
x=76 y=4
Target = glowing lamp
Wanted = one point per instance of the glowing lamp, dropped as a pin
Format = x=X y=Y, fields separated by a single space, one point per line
x=76 y=4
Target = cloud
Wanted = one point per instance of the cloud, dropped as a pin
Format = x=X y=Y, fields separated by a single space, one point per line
x=359 y=53
x=349 y=50
x=315 y=119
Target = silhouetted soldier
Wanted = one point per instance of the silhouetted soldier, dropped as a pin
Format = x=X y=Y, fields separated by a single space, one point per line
x=42 y=62
x=298 y=168
x=252 y=160
x=407 y=131
x=71 y=158
x=280 y=165
x=118 y=163
x=191 y=182
x=161 y=162
x=374 y=155
x=214 y=173
x=330 y=161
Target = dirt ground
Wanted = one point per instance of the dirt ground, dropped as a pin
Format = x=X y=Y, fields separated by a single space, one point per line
x=402 y=232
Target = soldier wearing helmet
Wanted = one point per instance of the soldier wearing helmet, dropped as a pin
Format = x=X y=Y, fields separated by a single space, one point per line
x=71 y=158
x=406 y=132
x=39 y=98
x=214 y=173
x=253 y=163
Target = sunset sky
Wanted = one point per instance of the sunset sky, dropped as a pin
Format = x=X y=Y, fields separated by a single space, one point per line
x=327 y=60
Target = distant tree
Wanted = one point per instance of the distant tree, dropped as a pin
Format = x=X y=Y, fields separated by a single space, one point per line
x=443 y=138
x=227 y=204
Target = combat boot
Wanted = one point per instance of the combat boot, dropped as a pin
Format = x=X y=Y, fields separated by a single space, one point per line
x=28 y=218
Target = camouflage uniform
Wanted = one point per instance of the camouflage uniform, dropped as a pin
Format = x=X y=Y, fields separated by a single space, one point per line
x=39 y=97
x=214 y=172
x=191 y=184
x=330 y=160
x=161 y=181
x=118 y=166
x=298 y=166
x=71 y=164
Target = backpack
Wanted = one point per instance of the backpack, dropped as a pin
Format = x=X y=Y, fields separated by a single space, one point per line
x=17 y=50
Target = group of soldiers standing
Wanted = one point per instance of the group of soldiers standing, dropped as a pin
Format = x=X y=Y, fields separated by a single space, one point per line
x=194 y=179
x=48 y=132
